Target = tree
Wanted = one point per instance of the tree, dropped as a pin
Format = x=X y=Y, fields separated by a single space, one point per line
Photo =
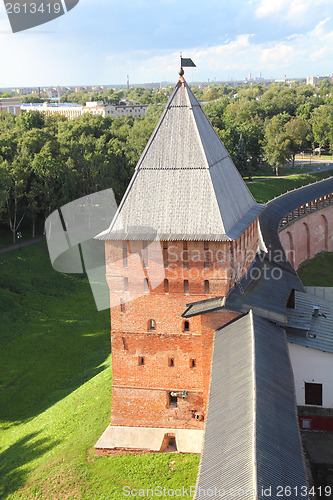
x=253 y=134
x=276 y=140
x=14 y=192
x=241 y=158
x=210 y=93
x=322 y=125
x=215 y=111
x=297 y=130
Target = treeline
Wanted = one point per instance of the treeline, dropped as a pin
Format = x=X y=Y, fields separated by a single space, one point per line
x=256 y=123
x=47 y=161
x=136 y=95
x=272 y=123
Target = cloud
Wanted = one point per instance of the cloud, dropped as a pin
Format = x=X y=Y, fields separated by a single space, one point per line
x=279 y=55
x=87 y=49
x=298 y=55
x=291 y=11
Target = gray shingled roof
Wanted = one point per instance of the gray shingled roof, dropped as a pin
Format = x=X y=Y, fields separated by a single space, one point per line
x=305 y=329
x=262 y=291
x=252 y=439
x=185 y=185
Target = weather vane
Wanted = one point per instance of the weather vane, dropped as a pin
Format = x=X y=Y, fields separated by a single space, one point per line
x=185 y=62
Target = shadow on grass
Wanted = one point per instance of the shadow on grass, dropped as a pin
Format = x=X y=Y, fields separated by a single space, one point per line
x=52 y=338
x=14 y=462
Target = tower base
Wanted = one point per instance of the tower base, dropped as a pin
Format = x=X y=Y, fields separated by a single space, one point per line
x=154 y=439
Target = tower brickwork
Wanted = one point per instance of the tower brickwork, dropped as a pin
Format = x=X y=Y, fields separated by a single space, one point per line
x=185 y=232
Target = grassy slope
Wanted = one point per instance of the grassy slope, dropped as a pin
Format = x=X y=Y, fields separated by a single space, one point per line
x=264 y=191
x=318 y=271
x=55 y=390
x=55 y=385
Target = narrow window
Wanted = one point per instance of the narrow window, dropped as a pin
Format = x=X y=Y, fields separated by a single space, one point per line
x=172 y=401
x=171 y=362
x=165 y=254
x=151 y=324
x=192 y=363
x=313 y=394
x=186 y=286
x=186 y=326
x=306 y=423
x=206 y=255
x=122 y=306
x=206 y=287
x=146 y=285
x=125 y=253
x=166 y=286
x=145 y=254
x=185 y=255
x=291 y=300
x=126 y=285
x=141 y=360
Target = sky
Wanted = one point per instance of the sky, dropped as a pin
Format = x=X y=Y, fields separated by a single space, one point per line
x=100 y=42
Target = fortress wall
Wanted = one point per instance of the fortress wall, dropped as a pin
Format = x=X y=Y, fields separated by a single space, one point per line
x=307 y=236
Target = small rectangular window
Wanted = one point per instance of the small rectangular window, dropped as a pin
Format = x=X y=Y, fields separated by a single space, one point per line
x=141 y=360
x=125 y=253
x=185 y=255
x=291 y=300
x=313 y=394
x=126 y=285
x=206 y=287
x=173 y=402
x=186 y=287
x=192 y=363
x=151 y=324
x=145 y=254
x=206 y=255
x=306 y=423
x=166 y=286
x=171 y=362
x=165 y=254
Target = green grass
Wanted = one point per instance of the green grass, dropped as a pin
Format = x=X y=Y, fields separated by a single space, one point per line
x=264 y=191
x=55 y=381
x=318 y=271
x=264 y=172
x=55 y=391
x=6 y=236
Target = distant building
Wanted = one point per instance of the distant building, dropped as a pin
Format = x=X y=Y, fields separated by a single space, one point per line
x=10 y=105
x=313 y=80
x=94 y=108
x=68 y=110
x=25 y=91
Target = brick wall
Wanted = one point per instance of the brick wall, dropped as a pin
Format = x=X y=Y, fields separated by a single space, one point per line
x=154 y=350
x=308 y=235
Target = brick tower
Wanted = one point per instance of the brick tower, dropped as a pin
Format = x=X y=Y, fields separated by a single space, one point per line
x=179 y=237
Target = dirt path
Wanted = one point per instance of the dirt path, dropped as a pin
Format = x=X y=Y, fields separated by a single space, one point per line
x=23 y=244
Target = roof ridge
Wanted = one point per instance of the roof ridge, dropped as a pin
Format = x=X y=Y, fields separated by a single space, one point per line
x=170 y=191
x=159 y=123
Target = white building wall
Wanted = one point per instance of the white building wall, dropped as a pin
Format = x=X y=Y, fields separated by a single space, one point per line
x=94 y=108
x=312 y=366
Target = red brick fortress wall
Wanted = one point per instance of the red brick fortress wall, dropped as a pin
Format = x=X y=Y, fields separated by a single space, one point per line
x=306 y=236
x=155 y=351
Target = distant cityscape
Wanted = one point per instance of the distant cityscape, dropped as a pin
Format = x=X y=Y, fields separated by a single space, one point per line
x=55 y=91
x=50 y=96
